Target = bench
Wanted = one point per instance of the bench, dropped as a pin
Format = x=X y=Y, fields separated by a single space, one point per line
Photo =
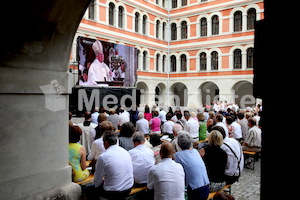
x=250 y=154
x=136 y=190
x=212 y=194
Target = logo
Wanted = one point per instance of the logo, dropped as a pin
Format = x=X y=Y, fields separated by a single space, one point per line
x=54 y=101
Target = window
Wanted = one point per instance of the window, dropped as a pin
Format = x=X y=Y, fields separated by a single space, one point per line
x=183 y=2
x=183 y=30
x=237 y=20
x=183 y=63
x=215 y=25
x=173 y=31
x=237 y=59
x=174 y=3
x=136 y=22
x=163 y=63
x=157 y=61
x=157 y=28
x=173 y=64
x=145 y=60
x=214 y=60
x=144 y=24
x=138 y=58
x=111 y=13
x=121 y=17
x=92 y=10
x=164 y=31
x=251 y=18
x=202 y=61
x=203 y=26
x=250 y=54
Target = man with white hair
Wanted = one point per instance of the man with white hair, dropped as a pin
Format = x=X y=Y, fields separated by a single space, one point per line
x=98 y=70
x=142 y=125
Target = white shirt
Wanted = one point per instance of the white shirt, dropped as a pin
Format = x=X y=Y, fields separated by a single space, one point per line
x=237 y=130
x=168 y=127
x=162 y=116
x=95 y=117
x=224 y=127
x=142 y=160
x=97 y=72
x=192 y=126
x=167 y=178
x=142 y=125
x=97 y=149
x=253 y=138
x=116 y=167
x=123 y=117
x=232 y=162
x=85 y=136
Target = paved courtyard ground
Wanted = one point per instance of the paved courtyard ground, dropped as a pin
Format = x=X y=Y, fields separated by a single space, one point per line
x=248 y=187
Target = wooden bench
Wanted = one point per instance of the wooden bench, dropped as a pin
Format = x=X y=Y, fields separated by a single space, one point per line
x=212 y=194
x=251 y=154
x=136 y=190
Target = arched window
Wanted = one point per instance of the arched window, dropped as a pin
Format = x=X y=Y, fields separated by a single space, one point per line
x=92 y=10
x=183 y=29
x=111 y=14
x=145 y=60
x=174 y=3
x=183 y=64
x=214 y=60
x=203 y=26
x=173 y=64
x=144 y=24
x=237 y=20
x=202 y=61
x=173 y=31
x=250 y=53
x=157 y=61
x=163 y=63
x=164 y=31
x=237 y=59
x=136 y=22
x=121 y=17
x=138 y=58
x=157 y=28
x=215 y=25
x=251 y=18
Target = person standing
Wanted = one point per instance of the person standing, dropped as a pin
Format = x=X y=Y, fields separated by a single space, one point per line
x=98 y=70
x=167 y=177
x=192 y=126
x=196 y=178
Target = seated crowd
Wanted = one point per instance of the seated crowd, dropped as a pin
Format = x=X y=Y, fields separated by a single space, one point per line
x=167 y=151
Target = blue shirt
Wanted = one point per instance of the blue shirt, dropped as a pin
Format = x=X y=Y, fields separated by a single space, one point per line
x=194 y=168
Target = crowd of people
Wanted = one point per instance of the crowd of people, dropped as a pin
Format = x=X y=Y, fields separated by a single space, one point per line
x=172 y=153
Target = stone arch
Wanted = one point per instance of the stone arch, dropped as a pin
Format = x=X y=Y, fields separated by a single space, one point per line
x=178 y=94
x=161 y=94
x=144 y=91
x=209 y=92
x=243 y=93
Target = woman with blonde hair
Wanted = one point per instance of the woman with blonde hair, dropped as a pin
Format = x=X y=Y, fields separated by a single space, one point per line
x=215 y=160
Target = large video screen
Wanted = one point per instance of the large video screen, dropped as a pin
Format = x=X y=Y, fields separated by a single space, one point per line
x=103 y=63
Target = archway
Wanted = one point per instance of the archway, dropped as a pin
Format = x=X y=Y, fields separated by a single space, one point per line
x=144 y=91
x=160 y=94
x=243 y=94
x=178 y=94
x=209 y=92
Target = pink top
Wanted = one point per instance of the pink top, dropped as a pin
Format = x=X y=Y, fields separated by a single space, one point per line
x=155 y=124
x=148 y=116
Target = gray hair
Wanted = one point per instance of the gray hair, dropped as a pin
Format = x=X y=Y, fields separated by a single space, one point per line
x=177 y=128
x=141 y=115
x=138 y=137
x=184 y=140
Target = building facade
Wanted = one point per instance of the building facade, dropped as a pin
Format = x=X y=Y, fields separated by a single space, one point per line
x=190 y=52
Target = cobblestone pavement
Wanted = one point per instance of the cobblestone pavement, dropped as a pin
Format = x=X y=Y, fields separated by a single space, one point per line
x=248 y=186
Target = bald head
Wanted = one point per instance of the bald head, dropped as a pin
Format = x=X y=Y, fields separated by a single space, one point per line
x=166 y=150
